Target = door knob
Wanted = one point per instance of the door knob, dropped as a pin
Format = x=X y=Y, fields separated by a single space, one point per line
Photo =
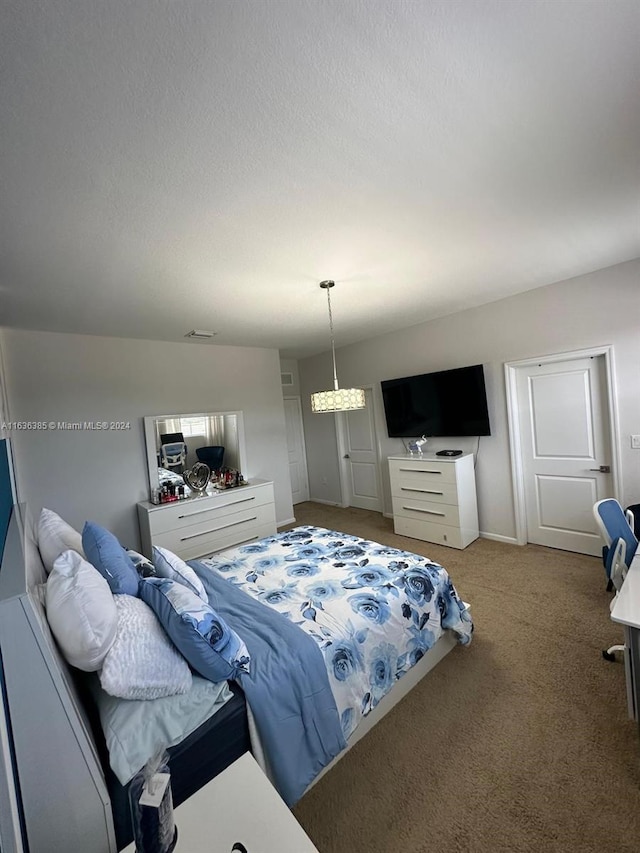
x=603 y=469
x=346 y=456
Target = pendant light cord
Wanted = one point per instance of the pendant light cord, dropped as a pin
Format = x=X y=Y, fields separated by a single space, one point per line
x=333 y=346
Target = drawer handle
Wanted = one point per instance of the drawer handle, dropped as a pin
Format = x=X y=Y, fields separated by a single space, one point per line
x=213 y=508
x=422 y=491
x=426 y=511
x=421 y=470
x=215 y=529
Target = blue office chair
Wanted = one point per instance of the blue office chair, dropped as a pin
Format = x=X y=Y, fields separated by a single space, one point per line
x=621 y=544
x=212 y=456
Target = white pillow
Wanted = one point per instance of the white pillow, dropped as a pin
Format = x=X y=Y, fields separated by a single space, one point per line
x=142 y=663
x=81 y=611
x=169 y=565
x=54 y=537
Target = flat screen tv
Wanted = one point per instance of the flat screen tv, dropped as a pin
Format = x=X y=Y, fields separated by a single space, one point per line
x=445 y=403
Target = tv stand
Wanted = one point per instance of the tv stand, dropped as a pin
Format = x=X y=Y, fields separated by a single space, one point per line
x=434 y=498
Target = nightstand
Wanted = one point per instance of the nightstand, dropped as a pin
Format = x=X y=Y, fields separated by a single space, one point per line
x=238 y=805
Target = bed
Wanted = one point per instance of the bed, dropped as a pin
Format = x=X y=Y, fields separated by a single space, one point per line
x=169 y=478
x=331 y=594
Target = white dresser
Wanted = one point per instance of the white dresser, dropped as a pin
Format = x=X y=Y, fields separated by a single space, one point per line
x=434 y=498
x=199 y=526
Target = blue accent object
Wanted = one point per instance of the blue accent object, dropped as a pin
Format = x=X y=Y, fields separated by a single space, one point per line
x=614 y=525
x=212 y=456
x=6 y=493
x=288 y=692
x=207 y=642
x=109 y=557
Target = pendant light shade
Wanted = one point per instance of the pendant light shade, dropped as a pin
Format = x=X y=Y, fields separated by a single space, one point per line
x=337 y=399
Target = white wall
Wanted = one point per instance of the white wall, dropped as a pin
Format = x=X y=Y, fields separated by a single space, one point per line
x=101 y=475
x=602 y=308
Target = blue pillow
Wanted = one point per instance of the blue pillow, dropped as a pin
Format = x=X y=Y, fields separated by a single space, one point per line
x=212 y=648
x=103 y=551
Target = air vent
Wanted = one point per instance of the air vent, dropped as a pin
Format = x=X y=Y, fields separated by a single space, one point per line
x=286 y=378
x=200 y=335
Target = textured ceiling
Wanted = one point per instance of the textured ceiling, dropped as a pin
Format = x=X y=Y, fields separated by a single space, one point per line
x=171 y=165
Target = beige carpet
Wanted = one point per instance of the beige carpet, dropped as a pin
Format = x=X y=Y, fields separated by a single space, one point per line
x=519 y=742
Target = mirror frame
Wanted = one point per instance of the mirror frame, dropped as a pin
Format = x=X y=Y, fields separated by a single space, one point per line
x=150 y=442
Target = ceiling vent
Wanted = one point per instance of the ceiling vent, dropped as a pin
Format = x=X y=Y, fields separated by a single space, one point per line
x=200 y=335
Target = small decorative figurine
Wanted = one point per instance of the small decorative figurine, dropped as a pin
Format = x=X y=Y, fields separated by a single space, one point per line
x=416 y=445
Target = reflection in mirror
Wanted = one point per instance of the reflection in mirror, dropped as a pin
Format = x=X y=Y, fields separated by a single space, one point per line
x=176 y=442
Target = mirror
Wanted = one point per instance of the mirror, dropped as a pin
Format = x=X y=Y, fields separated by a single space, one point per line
x=173 y=442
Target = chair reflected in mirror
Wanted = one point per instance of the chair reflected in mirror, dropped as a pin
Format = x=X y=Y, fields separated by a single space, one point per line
x=213 y=456
x=173 y=452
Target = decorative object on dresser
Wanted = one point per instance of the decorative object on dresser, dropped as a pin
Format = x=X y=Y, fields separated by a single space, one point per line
x=195 y=527
x=434 y=498
x=416 y=445
x=197 y=478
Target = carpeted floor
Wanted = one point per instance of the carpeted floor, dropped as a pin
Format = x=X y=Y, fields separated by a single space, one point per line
x=518 y=742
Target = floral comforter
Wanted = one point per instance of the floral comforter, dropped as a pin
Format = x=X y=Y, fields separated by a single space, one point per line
x=373 y=610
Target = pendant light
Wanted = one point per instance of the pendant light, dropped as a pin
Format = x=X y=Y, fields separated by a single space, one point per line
x=339 y=399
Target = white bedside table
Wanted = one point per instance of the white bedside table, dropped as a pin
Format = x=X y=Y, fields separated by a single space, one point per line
x=238 y=805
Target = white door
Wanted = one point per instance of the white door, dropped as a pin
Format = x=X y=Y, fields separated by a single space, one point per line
x=360 y=458
x=566 y=450
x=297 y=450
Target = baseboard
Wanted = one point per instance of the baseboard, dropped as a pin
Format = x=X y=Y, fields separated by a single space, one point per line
x=495 y=537
x=327 y=503
x=284 y=523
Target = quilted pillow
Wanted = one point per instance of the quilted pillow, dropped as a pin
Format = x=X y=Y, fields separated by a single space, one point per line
x=54 y=536
x=81 y=611
x=169 y=565
x=109 y=557
x=212 y=648
x=142 y=663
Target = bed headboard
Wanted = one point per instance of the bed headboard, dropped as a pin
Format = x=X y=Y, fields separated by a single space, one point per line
x=64 y=795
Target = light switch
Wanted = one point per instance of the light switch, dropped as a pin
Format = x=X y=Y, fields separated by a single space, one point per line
x=635 y=442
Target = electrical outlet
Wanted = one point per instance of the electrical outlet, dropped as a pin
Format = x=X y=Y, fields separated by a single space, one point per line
x=635 y=442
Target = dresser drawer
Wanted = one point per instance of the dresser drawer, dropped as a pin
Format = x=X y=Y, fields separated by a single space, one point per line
x=430 y=531
x=421 y=472
x=441 y=492
x=427 y=511
x=200 y=526
x=196 y=510
x=219 y=532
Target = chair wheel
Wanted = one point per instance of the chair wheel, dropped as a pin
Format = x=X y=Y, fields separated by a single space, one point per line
x=610 y=656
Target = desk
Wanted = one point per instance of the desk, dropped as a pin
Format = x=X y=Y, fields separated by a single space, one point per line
x=626 y=611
